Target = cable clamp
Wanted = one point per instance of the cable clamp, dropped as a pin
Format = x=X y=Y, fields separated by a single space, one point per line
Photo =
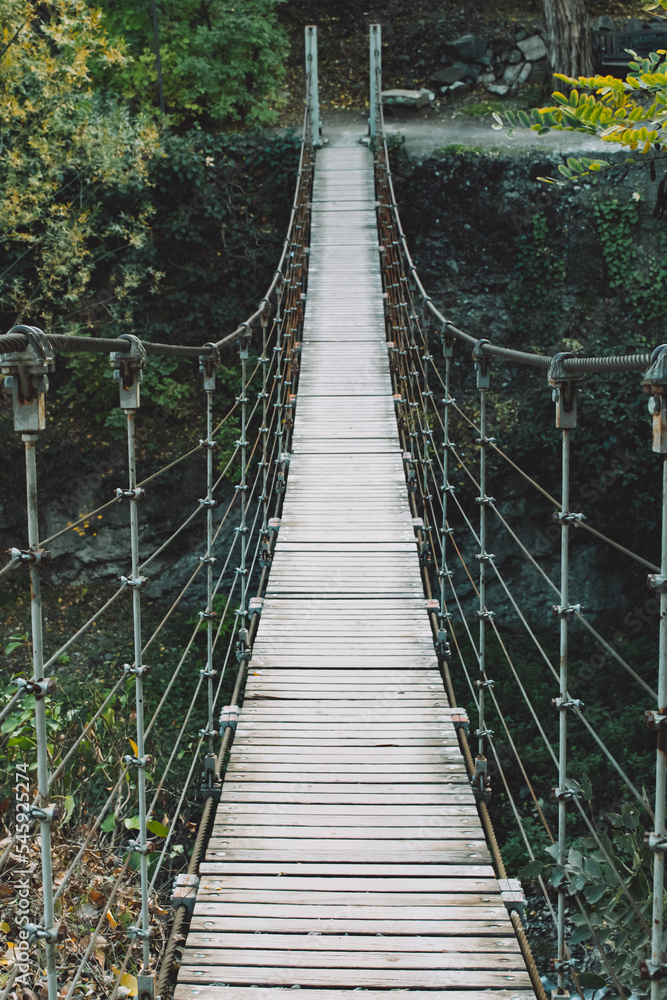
x=461 y=721
x=427 y=393
x=206 y=615
x=239 y=530
x=141 y=671
x=481 y=788
x=443 y=574
x=40 y=688
x=45 y=814
x=655 y=842
x=38 y=933
x=241 y=488
x=32 y=556
x=208 y=560
x=562 y=966
x=483 y=441
x=206 y=443
x=562 y=704
x=447 y=489
x=208 y=673
x=652 y=970
x=486 y=683
x=139 y=848
x=138 y=933
x=208 y=732
x=490 y=615
x=569 y=518
x=484 y=556
x=144 y=761
x=209 y=503
x=229 y=717
x=485 y=499
x=243 y=655
x=512 y=895
x=569 y=609
x=136 y=494
x=655 y=719
x=565 y=793
x=657 y=583
x=448 y=401
x=241 y=571
x=241 y=399
x=140 y=582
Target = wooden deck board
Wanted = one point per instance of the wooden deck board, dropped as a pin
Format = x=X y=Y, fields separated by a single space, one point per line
x=347 y=856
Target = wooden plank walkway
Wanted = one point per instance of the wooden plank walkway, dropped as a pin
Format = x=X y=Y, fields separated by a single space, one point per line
x=347 y=853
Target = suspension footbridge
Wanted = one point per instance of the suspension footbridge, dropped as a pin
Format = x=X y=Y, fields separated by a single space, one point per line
x=345 y=845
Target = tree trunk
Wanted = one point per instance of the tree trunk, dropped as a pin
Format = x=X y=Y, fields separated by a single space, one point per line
x=569 y=48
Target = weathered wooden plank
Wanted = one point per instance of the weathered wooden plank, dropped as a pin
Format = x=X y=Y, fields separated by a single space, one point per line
x=286 y=883
x=331 y=978
x=301 y=924
x=205 y=992
x=421 y=872
x=432 y=946
x=199 y=955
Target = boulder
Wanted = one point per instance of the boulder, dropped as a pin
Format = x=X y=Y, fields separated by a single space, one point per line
x=486 y=78
x=515 y=57
x=533 y=48
x=450 y=74
x=497 y=88
x=468 y=47
x=512 y=74
x=407 y=98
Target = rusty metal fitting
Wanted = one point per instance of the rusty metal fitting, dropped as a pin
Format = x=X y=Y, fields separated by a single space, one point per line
x=40 y=557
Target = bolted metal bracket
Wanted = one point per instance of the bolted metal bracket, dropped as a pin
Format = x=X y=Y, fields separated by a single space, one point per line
x=146 y=986
x=649 y=970
x=512 y=895
x=560 y=518
x=655 y=719
x=27 y=379
x=134 y=581
x=485 y=684
x=138 y=933
x=144 y=761
x=481 y=788
x=561 y=612
x=565 y=793
x=208 y=366
x=45 y=814
x=40 y=688
x=136 y=671
x=565 y=390
x=136 y=494
x=482 y=365
x=655 y=842
x=562 y=704
x=41 y=557
x=655 y=382
x=657 y=583
x=138 y=848
x=38 y=933
x=128 y=371
x=184 y=892
x=229 y=717
x=461 y=721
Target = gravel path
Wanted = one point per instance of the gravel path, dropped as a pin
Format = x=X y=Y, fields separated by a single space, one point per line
x=430 y=130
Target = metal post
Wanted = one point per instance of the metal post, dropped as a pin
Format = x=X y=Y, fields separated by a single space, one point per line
x=376 y=79
x=655 y=383
x=565 y=396
x=658 y=961
x=208 y=365
x=264 y=430
x=480 y=780
x=128 y=371
x=313 y=91
x=242 y=570
x=442 y=644
x=46 y=814
x=27 y=382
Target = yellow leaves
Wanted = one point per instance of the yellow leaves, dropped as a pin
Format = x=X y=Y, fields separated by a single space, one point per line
x=128 y=981
x=135 y=748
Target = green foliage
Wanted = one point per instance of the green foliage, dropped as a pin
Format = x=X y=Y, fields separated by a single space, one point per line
x=222 y=62
x=643 y=288
x=69 y=162
x=618 y=909
x=539 y=264
x=627 y=114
